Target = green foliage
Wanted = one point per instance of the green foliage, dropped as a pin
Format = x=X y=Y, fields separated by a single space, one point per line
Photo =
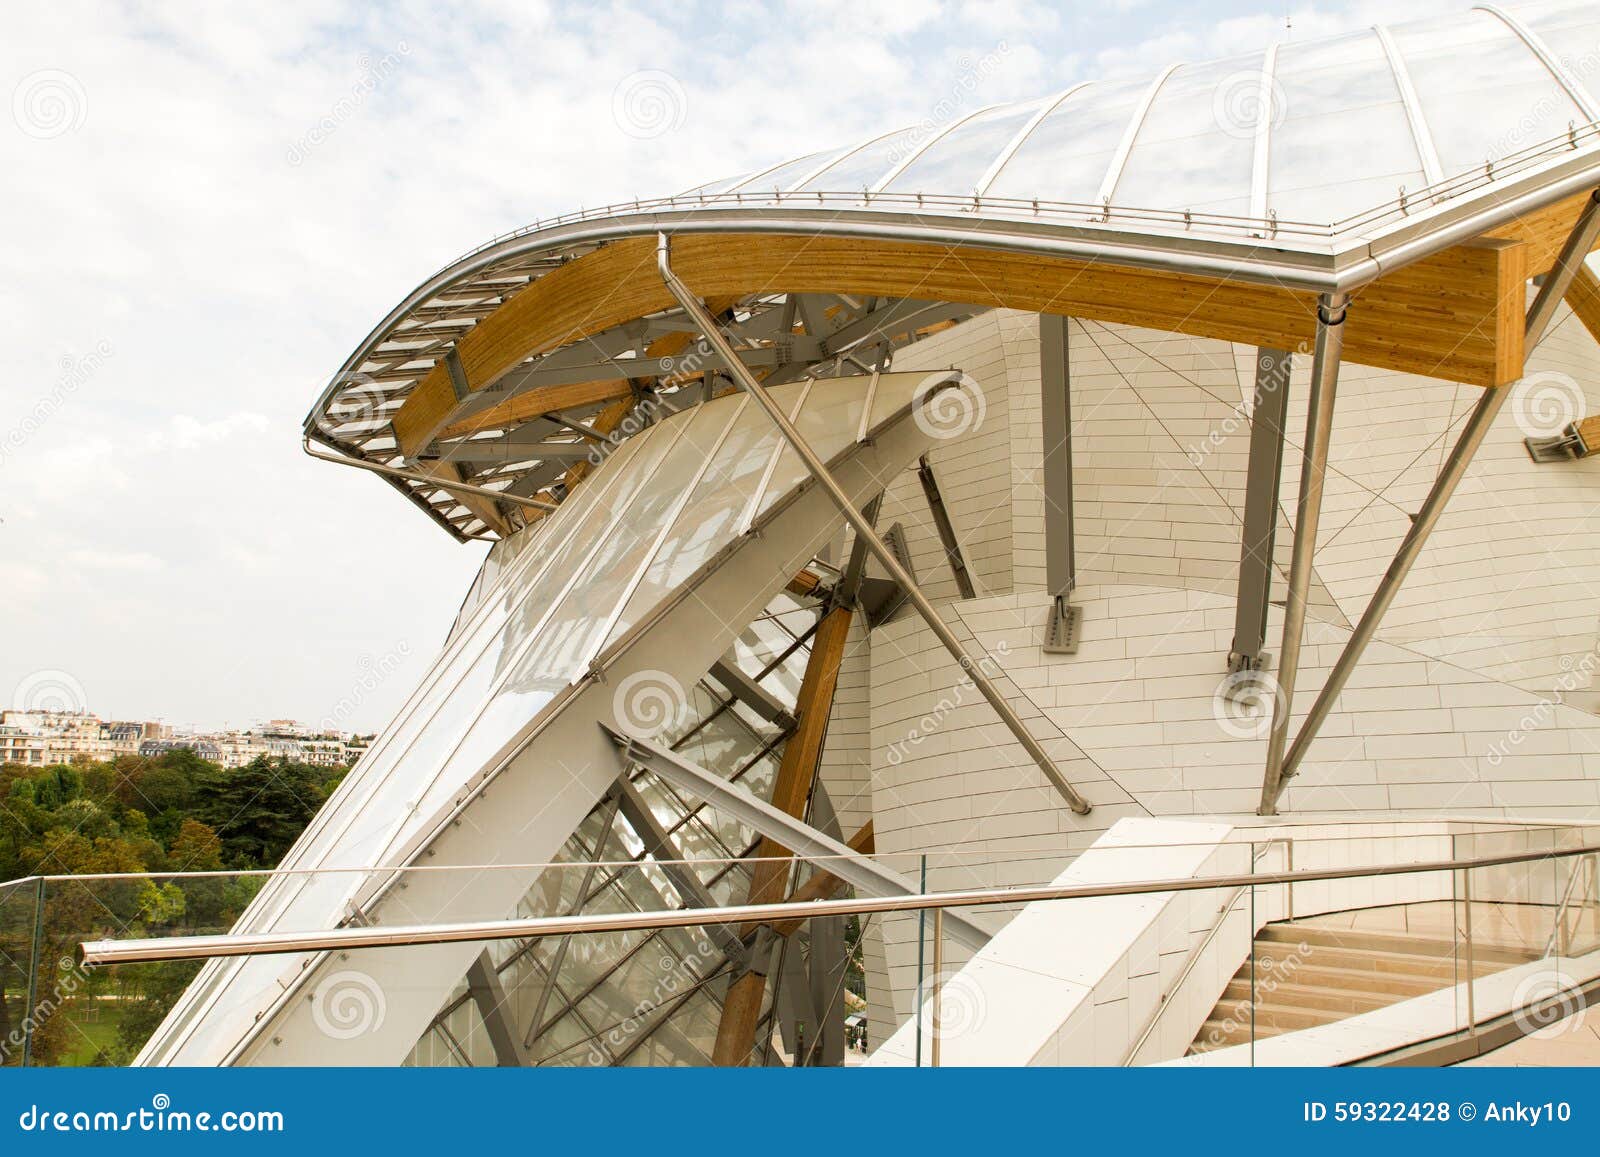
x=176 y=813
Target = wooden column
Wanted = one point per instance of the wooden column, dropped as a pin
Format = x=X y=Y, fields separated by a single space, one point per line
x=769 y=872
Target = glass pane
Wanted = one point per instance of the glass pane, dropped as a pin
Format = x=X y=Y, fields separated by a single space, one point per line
x=868 y=165
x=1196 y=146
x=1483 y=94
x=954 y=163
x=1338 y=98
x=1065 y=158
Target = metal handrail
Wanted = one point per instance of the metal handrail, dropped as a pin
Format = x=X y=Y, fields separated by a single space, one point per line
x=1588 y=868
x=1085 y=211
x=97 y=952
x=1199 y=950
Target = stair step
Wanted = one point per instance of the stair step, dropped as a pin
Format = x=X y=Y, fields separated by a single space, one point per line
x=1279 y=957
x=1405 y=943
x=1346 y=1001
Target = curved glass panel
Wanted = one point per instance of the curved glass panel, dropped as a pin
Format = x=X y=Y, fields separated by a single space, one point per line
x=1570 y=32
x=1066 y=156
x=1338 y=98
x=1483 y=93
x=954 y=163
x=784 y=175
x=1196 y=147
x=867 y=166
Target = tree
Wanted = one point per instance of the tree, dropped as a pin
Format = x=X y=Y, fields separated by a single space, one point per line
x=260 y=809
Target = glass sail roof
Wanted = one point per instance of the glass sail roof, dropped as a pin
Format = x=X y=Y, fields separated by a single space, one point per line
x=653 y=519
x=1487 y=83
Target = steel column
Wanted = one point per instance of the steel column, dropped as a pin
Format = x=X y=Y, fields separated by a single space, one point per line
x=818 y=470
x=862 y=872
x=1268 y=419
x=946 y=529
x=483 y=983
x=659 y=844
x=1585 y=232
x=1319 y=427
x=1060 y=563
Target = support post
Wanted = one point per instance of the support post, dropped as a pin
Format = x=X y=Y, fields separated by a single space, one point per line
x=1585 y=232
x=672 y=863
x=1331 y=308
x=1268 y=419
x=819 y=470
x=946 y=529
x=769 y=872
x=494 y=1006
x=1055 y=398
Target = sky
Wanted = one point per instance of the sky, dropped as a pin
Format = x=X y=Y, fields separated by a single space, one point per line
x=205 y=207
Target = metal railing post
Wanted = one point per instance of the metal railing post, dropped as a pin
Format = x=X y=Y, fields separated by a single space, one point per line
x=36 y=951
x=937 y=995
x=1472 y=971
x=709 y=329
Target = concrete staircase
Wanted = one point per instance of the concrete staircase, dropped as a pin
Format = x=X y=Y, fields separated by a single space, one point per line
x=1317 y=971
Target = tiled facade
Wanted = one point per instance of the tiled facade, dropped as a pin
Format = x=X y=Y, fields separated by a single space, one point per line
x=1475 y=700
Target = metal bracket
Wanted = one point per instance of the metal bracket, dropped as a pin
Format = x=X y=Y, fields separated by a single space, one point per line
x=1566 y=446
x=1238 y=662
x=1062 y=629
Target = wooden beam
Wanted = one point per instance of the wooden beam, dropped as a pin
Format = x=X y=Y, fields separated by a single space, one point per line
x=543 y=400
x=1544 y=231
x=791 y=788
x=486 y=509
x=1589 y=431
x=823 y=885
x=1444 y=316
x=1583 y=295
